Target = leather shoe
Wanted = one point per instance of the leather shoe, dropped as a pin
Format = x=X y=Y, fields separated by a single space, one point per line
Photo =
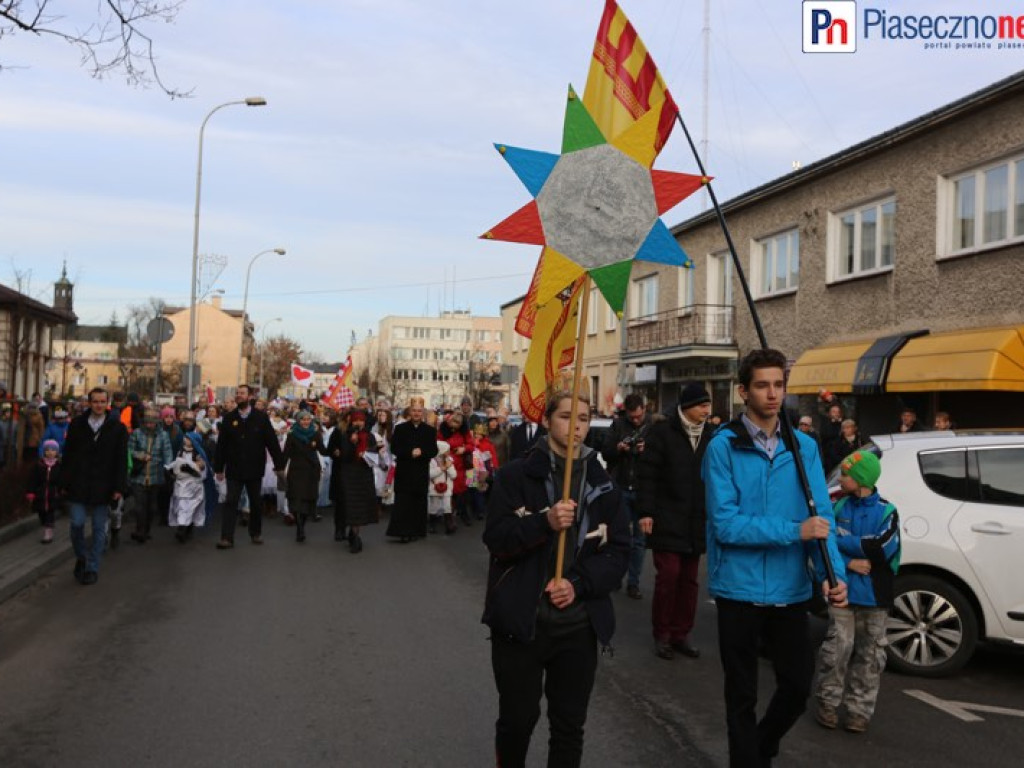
x=663 y=651
x=684 y=647
x=225 y=544
x=89 y=577
x=634 y=591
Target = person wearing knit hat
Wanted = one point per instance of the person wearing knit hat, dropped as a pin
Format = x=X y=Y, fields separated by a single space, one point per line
x=671 y=511
x=864 y=468
x=853 y=655
x=43 y=488
x=693 y=393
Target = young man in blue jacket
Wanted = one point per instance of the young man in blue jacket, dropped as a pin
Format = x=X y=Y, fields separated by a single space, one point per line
x=760 y=539
x=853 y=654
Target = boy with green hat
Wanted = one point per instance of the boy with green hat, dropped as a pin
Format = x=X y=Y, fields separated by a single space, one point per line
x=853 y=654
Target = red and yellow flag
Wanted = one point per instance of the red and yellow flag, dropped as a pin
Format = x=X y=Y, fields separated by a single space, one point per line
x=340 y=394
x=552 y=348
x=623 y=85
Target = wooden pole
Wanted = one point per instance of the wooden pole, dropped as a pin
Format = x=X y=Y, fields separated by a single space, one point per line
x=573 y=414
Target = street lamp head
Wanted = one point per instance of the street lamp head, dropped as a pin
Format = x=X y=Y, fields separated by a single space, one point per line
x=255 y=101
x=280 y=251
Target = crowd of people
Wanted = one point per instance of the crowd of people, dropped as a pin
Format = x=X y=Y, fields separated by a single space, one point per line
x=298 y=459
x=566 y=522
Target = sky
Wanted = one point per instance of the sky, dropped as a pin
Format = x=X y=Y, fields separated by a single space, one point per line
x=373 y=162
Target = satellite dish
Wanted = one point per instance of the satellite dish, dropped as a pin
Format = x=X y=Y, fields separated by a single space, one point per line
x=159 y=330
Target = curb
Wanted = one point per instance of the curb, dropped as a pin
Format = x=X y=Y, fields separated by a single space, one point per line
x=18 y=528
x=26 y=565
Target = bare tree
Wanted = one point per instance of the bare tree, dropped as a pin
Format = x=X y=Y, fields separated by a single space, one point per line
x=114 y=41
x=279 y=352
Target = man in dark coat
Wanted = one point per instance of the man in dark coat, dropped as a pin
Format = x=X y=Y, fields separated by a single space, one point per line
x=413 y=444
x=623 y=447
x=245 y=437
x=95 y=475
x=522 y=438
x=671 y=504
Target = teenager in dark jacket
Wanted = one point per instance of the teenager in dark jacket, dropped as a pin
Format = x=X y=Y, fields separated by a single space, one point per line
x=671 y=504
x=245 y=438
x=545 y=631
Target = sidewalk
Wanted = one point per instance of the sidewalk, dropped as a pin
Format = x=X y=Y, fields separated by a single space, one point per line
x=23 y=559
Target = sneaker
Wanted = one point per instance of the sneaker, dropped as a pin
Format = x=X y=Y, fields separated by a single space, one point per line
x=89 y=577
x=827 y=716
x=634 y=591
x=257 y=539
x=663 y=651
x=225 y=544
x=47 y=536
x=855 y=723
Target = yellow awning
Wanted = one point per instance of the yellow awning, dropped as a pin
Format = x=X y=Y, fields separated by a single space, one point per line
x=830 y=367
x=985 y=358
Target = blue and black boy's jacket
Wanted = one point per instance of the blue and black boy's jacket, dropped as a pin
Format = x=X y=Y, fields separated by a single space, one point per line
x=755 y=508
x=869 y=528
x=521 y=544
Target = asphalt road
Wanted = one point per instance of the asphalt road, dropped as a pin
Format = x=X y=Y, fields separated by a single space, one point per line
x=306 y=655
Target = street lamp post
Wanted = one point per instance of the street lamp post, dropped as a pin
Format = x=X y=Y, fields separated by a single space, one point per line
x=263 y=344
x=245 y=304
x=251 y=101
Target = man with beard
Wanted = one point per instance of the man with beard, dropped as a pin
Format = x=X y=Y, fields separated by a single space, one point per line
x=245 y=437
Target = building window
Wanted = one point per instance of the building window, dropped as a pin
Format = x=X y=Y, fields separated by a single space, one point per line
x=775 y=264
x=687 y=292
x=862 y=240
x=592 y=311
x=421 y=333
x=611 y=321
x=103 y=380
x=985 y=206
x=483 y=336
x=497 y=336
x=645 y=295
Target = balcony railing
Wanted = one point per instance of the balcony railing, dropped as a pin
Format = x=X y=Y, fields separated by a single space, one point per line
x=704 y=324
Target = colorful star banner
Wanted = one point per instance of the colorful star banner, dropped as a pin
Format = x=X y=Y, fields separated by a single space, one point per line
x=596 y=206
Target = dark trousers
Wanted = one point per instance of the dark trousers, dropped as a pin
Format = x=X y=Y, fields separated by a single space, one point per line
x=230 y=513
x=146 y=499
x=675 y=596
x=744 y=628
x=563 y=667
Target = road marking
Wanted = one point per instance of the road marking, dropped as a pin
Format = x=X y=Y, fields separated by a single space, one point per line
x=962 y=709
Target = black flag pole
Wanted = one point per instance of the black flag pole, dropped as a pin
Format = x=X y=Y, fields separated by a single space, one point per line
x=784 y=424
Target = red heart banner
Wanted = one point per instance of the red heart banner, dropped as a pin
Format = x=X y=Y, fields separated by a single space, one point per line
x=302 y=377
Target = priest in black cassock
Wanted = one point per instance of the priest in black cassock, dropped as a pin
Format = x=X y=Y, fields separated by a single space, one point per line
x=413 y=444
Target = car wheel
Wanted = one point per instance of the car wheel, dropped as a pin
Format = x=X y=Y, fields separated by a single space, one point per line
x=932 y=629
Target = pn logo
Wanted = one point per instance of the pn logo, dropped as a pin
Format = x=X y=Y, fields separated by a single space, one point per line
x=830 y=26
